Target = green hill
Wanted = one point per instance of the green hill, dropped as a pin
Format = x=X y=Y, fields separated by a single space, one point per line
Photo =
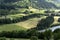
x=24 y=14
x=40 y=4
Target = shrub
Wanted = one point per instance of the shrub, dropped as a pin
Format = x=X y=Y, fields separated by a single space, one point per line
x=11 y=38
x=57 y=30
x=34 y=38
x=48 y=34
x=57 y=36
x=3 y=38
x=26 y=12
x=59 y=20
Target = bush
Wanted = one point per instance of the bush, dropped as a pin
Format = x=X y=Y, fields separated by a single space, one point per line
x=34 y=38
x=59 y=20
x=48 y=34
x=26 y=12
x=57 y=36
x=57 y=30
x=3 y=38
x=31 y=11
x=12 y=39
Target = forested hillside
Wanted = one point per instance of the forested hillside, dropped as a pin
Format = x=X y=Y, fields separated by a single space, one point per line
x=40 y=4
x=12 y=4
x=43 y=4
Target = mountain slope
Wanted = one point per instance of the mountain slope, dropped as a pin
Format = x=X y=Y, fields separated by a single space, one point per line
x=45 y=4
x=56 y=2
x=40 y=4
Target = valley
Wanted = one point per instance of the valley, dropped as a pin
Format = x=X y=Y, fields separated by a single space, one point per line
x=23 y=19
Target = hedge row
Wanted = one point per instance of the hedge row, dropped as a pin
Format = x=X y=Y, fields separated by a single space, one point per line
x=19 y=19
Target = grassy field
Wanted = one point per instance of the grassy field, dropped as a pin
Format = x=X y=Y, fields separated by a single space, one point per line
x=30 y=23
x=56 y=20
x=24 y=25
x=11 y=27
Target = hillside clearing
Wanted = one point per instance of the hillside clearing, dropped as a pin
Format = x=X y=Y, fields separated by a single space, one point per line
x=10 y=27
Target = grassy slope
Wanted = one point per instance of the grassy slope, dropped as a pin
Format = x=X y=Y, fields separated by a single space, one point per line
x=30 y=23
x=10 y=27
x=56 y=20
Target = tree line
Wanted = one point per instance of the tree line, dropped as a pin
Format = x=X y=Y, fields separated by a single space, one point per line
x=18 y=19
x=45 y=23
x=48 y=34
